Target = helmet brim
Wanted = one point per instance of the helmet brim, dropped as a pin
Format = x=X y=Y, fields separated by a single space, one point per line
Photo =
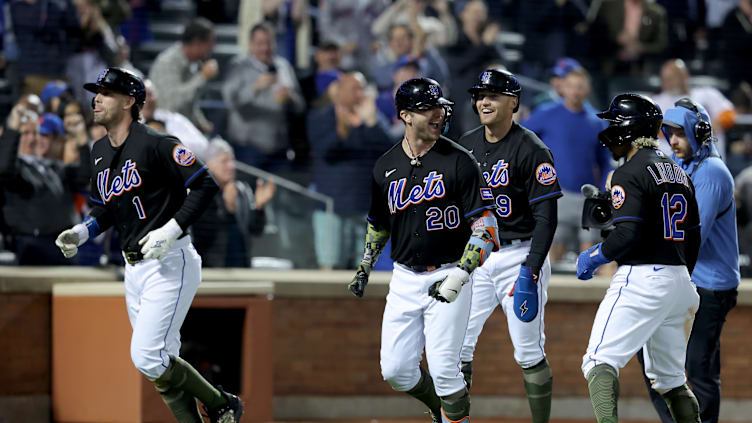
x=92 y=87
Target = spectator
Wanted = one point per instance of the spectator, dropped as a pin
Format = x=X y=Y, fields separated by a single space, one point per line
x=436 y=32
x=740 y=136
x=348 y=23
x=404 y=69
x=38 y=200
x=346 y=139
x=174 y=123
x=675 y=84
x=743 y=196
x=402 y=44
x=52 y=95
x=261 y=92
x=172 y=72
x=559 y=71
x=736 y=42
x=289 y=20
x=475 y=48
x=570 y=130
x=326 y=71
x=76 y=136
x=49 y=143
x=628 y=36
x=222 y=235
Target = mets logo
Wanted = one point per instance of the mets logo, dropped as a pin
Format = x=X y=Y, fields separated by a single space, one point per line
x=545 y=174
x=183 y=156
x=101 y=76
x=485 y=78
x=434 y=90
x=618 y=195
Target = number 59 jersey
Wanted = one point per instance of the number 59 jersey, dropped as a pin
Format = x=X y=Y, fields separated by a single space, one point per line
x=428 y=208
x=655 y=192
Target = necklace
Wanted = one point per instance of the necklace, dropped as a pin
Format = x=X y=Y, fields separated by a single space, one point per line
x=414 y=159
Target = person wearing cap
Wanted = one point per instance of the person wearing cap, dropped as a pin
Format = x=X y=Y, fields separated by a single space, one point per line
x=49 y=143
x=150 y=188
x=37 y=191
x=687 y=128
x=51 y=94
x=558 y=72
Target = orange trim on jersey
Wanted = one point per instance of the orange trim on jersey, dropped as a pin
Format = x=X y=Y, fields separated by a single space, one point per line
x=465 y=419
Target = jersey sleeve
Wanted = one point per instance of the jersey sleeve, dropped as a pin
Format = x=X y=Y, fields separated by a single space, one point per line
x=626 y=198
x=475 y=196
x=180 y=161
x=542 y=181
x=378 y=214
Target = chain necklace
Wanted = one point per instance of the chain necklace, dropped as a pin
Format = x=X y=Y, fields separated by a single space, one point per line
x=414 y=159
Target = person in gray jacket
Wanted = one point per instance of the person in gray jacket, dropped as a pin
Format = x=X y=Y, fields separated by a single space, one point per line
x=261 y=92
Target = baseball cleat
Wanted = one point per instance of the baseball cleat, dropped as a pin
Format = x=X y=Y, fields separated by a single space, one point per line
x=434 y=417
x=228 y=413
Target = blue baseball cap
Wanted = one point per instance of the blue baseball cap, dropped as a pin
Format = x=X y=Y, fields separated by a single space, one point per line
x=51 y=124
x=565 y=65
x=53 y=89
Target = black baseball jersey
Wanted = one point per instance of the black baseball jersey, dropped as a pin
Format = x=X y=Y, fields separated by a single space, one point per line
x=653 y=191
x=520 y=171
x=428 y=208
x=143 y=183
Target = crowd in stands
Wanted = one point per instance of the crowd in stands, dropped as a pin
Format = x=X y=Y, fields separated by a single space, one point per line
x=308 y=97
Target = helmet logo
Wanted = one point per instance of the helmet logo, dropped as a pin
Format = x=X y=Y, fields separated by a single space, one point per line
x=434 y=90
x=102 y=75
x=183 y=156
x=618 y=196
x=485 y=78
x=545 y=174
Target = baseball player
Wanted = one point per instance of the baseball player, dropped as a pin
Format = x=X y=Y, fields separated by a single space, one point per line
x=651 y=302
x=519 y=170
x=688 y=130
x=140 y=179
x=429 y=197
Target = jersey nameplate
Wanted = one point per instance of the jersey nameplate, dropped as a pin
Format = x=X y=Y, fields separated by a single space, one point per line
x=433 y=188
x=668 y=173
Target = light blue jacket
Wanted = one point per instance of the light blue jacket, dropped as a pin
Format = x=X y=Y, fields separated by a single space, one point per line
x=718 y=261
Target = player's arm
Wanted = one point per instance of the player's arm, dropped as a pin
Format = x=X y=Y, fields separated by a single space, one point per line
x=99 y=220
x=545 y=215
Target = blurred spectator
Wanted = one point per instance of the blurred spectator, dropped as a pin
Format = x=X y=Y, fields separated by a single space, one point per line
x=49 y=143
x=41 y=30
x=123 y=56
x=346 y=139
x=570 y=130
x=434 y=32
x=402 y=44
x=326 y=71
x=38 y=199
x=136 y=29
x=743 y=198
x=53 y=93
x=675 y=84
x=740 y=136
x=404 y=70
x=348 y=23
x=172 y=72
x=95 y=49
x=261 y=91
x=736 y=43
x=628 y=36
x=475 y=48
x=223 y=233
x=561 y=68
x=114 y=12
x=290 y=22
x=156 y=124
x=76 y=135
x=174 y=123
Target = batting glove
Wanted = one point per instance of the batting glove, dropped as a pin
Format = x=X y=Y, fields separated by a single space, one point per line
x=526 y=295
x=589 y=260
x=158 y=242
x=448 y=289
x=70 y=239
x=360 y=280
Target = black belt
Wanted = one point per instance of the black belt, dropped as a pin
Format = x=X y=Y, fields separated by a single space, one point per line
x=133 y=257
x=420 y=268
x=506 y=242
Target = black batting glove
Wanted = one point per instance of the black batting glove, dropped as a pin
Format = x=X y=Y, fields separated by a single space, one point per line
x=360 y=280
x=433 y=292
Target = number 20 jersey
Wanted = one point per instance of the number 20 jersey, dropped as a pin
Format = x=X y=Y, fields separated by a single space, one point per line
x=520 y=170
x=428 y=208
x=655 y=192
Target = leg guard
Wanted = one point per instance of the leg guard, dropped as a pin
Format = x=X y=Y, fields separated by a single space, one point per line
x=425 y=392
x=181 y=403
x=538 y=386
x=683 y=405
x=467 y=372
x=455 y=408
x=603 y=384
x=181 y=375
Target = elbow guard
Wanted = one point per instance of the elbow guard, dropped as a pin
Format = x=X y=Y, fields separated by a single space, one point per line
x=483 y=241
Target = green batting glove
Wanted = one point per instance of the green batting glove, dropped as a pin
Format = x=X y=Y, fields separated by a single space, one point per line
x=360 y=280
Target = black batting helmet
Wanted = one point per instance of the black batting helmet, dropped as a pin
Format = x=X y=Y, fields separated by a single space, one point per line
x=418 y=94
x=121 y=81
x=630 y=116
x=498 y=81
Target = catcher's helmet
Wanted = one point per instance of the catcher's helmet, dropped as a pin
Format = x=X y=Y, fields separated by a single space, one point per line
x=630 y=116
x=122 y=81
x=498 y=81
x=418 y=94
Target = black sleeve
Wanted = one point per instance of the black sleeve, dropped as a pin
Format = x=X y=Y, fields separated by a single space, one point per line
x=203 y=189
x=78 y=175
x=693 y=247
x=8 y=154
x=621 y=240
x=378 y=213
x=545 y=214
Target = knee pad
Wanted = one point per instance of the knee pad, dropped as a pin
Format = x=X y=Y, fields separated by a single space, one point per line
x=456 y=406
x=683 y=405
